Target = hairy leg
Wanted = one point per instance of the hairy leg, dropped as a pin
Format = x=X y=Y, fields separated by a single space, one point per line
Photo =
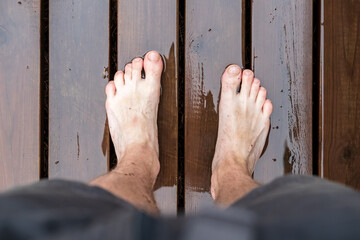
x=244 y=120
x=132 y=105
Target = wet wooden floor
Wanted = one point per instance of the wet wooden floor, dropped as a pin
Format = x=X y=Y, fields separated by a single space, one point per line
x=57 y=56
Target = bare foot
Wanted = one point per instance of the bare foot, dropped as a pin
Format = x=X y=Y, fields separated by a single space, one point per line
x=132 y=107
x=244 y=120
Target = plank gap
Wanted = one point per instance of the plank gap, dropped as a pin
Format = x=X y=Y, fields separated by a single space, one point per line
x=113 y=48
x=316 y=84
x=247 y=15
x=44 y=89
x=181 y=109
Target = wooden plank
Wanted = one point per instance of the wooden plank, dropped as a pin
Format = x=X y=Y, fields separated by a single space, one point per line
x=79 y=56
x=213 y=40
x=145 y=26
x=341 y=92
x=19 y=92
x=282 y=59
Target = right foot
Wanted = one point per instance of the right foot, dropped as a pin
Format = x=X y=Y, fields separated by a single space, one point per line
x=244 y=121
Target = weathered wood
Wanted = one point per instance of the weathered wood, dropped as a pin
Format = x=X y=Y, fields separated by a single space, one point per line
x=213 y=40
x=145 y=26
x=19 y=92
x=79 y=56
x=340 y=92
x=282 y=59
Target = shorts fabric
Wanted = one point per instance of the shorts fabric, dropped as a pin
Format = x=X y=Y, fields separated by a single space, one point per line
x=290 y=207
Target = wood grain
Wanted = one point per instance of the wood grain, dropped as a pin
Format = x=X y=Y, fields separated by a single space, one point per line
x=145 y=26
x=213 y=40
x=341 y=92
x=282 y=60
x=79 y=56
x=19 y=92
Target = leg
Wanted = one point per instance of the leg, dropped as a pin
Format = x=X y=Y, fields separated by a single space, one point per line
x=244 y=120
x=131 y=105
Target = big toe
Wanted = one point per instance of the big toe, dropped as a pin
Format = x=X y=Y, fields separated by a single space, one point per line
x=230 y=80
x=153 y=66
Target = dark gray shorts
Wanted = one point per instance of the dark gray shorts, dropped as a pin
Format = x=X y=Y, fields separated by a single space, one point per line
x=291 y=207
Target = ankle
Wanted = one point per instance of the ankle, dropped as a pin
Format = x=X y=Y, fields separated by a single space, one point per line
x=230 y=183
x=228 y=179
x=229 y=162
x=140 y=159
x=146 y=148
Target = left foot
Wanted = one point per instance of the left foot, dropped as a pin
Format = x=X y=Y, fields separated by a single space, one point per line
x=132 y=106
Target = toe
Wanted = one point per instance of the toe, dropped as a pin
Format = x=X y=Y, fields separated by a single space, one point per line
x=254 y=89
x=267 y=108
x=128 y=72
x=137 y=65
x=247 y=79
x=119 y=79
x=153 y=66
x=261 y=97
x=230 y=80
x=110 y=89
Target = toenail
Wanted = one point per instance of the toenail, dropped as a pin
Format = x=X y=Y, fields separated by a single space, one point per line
x=154 y=57
x=137 y=59
x=234 y=70
x=247 y=72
